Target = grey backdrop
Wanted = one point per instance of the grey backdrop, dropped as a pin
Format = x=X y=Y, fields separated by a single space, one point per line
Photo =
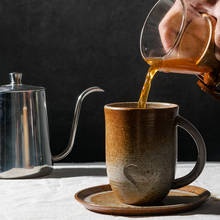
x=69 y=45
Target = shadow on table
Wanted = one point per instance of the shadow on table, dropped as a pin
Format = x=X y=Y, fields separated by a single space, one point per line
x=74 y=172
x=211 y=207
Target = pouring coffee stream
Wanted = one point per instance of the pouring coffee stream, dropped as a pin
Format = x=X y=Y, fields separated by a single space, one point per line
x=24 y=134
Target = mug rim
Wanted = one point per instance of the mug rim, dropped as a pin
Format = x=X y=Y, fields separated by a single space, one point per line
x=119 y=106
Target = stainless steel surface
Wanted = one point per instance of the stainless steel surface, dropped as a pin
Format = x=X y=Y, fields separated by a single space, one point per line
x=75 y=122
x=16 y=78
x=24 y=134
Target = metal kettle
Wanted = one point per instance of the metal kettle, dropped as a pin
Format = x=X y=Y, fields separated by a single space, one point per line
x=24 y=134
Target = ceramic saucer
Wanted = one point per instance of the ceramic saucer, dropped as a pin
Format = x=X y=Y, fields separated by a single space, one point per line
x=101 y=199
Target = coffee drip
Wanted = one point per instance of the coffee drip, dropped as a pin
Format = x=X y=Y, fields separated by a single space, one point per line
x=185 y=66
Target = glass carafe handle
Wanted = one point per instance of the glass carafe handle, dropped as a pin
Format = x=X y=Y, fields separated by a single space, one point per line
x=208 y=82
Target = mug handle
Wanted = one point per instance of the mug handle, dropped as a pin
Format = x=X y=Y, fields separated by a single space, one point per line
x=201 y=158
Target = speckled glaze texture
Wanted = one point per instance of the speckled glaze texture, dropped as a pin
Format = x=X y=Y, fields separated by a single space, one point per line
x=141 y=149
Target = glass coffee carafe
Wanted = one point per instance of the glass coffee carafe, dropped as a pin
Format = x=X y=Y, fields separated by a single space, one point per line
x=182 y=42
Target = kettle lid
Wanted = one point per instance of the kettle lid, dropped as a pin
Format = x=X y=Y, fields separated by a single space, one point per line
x=17 y=86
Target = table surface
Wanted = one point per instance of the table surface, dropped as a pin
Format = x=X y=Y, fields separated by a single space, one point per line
x=52 y=197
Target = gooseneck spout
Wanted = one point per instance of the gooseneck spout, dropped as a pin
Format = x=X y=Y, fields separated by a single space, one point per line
x=75 y=122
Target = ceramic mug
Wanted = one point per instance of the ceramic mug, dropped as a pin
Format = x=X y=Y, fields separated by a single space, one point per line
x=141 y=150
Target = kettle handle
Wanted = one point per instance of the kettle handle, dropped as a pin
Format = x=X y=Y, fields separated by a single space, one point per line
x=69 y=147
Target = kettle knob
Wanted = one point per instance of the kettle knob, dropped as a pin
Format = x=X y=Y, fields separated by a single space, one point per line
x=15 y=78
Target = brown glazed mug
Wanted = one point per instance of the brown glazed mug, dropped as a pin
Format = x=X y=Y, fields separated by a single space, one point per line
x=141 y=150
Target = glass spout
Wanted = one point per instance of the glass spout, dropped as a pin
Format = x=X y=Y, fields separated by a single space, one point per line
x=75 y=122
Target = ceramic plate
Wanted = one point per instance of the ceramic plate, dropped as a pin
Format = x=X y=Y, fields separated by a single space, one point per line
x=101 y=199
